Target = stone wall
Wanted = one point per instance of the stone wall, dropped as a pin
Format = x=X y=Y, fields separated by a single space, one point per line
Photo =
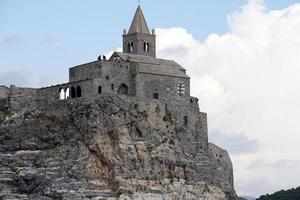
x=109 y=75
x=165 y=86
x=115 y=74
x=186 y=113
x=20 y=98
x=86 y=71
x=4 y=92
x=138 y=40
x=53 y=93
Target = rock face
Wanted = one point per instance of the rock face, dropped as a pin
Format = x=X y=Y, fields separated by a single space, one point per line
x=107 y=148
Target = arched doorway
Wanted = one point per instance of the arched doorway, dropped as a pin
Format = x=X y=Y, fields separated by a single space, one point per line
x=62 y=94
x=78 y=90
x=67 y=94
x=123 y=89
x=73 y=92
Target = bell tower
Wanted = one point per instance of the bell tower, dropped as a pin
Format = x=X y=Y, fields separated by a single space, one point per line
x=139 y=40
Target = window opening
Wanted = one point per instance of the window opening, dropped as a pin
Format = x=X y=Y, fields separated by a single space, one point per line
x=155 y=96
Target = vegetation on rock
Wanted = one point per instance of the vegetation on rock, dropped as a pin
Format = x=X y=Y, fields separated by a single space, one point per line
x=292 y=194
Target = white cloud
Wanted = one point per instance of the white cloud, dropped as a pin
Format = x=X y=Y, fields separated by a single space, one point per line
x=110 y=53
x=234 y=143
x=247 y=80
x=12 y=39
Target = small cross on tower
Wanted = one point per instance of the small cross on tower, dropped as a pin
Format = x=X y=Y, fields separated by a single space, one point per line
x=139 y=2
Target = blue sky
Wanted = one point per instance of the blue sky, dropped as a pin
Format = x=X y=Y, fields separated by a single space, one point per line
x=243 y=57
x=45 y=37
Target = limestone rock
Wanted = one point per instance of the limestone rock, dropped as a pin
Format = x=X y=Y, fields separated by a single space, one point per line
x=110 y=148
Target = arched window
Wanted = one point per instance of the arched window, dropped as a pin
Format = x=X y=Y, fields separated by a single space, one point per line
x=123 y=89
x=78 y=91
x=131 y=46
x=99 y=89
x=180 y=88
x=146 y=46
x=185 y=118
x=67 y=96
x=73 y=92
x=62 y=94
x=128 y=47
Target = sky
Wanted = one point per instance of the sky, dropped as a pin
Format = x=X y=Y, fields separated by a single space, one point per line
x=243 y=57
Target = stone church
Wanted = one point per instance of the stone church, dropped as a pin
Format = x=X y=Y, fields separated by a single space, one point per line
x=135 y=72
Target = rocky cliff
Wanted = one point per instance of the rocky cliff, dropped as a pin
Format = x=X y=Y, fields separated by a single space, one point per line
x=107 y=148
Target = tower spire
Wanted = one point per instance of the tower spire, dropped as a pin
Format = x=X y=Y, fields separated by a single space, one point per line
x=139 y=24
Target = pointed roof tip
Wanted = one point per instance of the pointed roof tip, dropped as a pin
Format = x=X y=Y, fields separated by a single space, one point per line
x=139 y=24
